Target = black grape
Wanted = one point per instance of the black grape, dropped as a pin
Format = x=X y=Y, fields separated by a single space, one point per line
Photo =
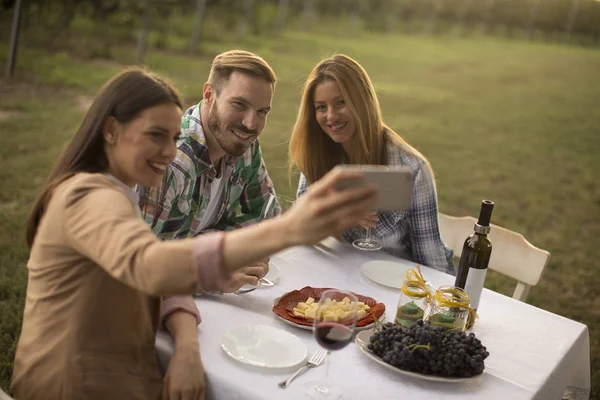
x=430 y=350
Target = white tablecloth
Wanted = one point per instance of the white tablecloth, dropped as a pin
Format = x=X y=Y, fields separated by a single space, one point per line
x=534 y=354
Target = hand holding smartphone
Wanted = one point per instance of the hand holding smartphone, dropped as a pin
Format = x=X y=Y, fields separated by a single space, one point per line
x=394 y=184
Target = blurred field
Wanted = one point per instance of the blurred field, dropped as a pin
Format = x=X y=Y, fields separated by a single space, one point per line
x=515 y=122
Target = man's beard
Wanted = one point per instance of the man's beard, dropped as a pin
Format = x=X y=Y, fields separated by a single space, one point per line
x=231 y=147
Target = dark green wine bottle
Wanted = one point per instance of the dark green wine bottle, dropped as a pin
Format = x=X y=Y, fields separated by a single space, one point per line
x=475 y=256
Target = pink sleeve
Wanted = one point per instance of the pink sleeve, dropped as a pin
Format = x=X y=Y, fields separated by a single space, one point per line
x=207 y=260
x=178 y=303
x=207 y=255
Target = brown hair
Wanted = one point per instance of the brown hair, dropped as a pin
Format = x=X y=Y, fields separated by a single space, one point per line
x=122 y=97
x=241 y=61
x=315 y=153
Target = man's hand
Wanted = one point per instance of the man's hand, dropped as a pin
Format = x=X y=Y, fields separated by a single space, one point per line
x=248 y=275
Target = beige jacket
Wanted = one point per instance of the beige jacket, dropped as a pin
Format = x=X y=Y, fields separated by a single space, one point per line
x=96 y=274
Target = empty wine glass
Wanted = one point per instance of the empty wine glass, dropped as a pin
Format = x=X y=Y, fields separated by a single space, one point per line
x=270 y=207
x=333 y=327
x=367 y=243
x=275 y=205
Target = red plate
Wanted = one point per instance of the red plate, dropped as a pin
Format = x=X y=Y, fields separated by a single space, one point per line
x=285 y=306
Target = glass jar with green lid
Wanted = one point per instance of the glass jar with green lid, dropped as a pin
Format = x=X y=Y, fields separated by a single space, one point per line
x=450 y=307
x=413 y=300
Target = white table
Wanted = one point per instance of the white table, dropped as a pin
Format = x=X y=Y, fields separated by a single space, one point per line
x=534 y=354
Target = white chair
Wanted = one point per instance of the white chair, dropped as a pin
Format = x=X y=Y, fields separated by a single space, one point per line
x=4 y=396
x=512 y=254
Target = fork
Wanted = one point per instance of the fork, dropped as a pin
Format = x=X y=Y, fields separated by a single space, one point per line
x=243 y=291
x=314 y=361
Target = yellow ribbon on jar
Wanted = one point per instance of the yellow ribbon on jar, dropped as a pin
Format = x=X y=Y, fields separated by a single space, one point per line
x=414 y=284
x=455 y=297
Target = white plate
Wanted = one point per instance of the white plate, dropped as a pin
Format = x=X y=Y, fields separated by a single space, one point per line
x=310 y=327
x=386 y=273
x=362 y=341
x=264 y=346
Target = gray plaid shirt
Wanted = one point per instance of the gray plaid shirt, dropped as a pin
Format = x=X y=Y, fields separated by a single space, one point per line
x=413 y=234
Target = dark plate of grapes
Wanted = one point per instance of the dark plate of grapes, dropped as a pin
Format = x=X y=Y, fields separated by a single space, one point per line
x=425 y=351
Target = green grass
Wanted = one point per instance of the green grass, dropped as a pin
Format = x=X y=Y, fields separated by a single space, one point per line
x=514 y=122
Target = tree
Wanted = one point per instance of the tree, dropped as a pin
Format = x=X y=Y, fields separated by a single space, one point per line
x=247 y=14
x=533 y=14
x=308 y=14
x=144 y=32
x=200 y=6
x=571 y=20
x=282 y=10
x=14 y=39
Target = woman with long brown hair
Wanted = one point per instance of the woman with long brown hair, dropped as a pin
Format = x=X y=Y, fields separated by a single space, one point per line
x=340 y=122
x=97 y=273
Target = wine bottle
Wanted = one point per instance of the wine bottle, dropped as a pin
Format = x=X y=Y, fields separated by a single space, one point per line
x=475 y=256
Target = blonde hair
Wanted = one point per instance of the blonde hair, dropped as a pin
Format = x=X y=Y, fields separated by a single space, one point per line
x=242 y=61
x=315 y=153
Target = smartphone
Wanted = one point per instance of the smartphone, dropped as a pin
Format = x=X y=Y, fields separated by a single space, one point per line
x=394 y=183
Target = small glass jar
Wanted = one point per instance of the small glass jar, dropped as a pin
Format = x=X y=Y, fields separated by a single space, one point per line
x=412 y=304
x=450 y=308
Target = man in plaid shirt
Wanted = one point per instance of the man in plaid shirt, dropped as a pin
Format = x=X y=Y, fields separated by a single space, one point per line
x=218 y=179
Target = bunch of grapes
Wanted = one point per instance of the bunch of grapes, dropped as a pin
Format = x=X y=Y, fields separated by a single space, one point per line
x=430 y=350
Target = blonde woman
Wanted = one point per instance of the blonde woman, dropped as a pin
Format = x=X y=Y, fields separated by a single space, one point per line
x=98 y=275
x=340 y=122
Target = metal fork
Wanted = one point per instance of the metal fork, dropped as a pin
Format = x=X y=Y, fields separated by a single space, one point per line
x=243 y=291
x=314 y=361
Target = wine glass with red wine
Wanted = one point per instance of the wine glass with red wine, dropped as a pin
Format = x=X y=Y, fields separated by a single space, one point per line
x=333 y=328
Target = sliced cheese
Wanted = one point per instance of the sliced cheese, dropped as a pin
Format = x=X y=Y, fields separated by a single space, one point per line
x=329 y=316
x=331 y=310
